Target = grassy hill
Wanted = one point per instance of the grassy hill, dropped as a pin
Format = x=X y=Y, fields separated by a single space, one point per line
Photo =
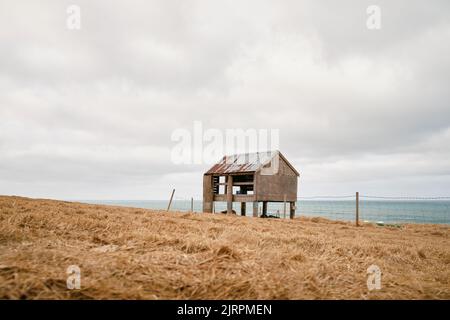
x=129 y=253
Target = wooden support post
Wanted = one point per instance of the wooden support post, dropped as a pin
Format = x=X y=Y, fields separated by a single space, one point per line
x=291 y=210
x=208 y=193
x=284 y=207
x=357 y=209
x=230 y=194
x=264 y=208
x=243 y=208
x=192 y=204
x=255 y=209
x=170 y=201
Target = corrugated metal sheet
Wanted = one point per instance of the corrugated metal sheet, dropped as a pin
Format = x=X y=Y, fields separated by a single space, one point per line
x=246 y=162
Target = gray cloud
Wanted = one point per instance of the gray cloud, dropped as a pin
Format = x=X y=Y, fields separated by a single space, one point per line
x=89 y=113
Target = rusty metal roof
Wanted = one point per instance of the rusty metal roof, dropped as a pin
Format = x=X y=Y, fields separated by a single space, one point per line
x=246 y=162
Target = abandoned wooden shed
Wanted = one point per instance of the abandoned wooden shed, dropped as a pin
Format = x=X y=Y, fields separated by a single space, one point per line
x=251 y=177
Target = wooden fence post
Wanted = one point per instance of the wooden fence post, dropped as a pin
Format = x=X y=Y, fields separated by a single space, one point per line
x=192 y=204
x=170 y=201
x=357 y=209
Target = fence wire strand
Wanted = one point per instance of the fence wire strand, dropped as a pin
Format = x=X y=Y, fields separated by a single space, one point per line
x=372 y=208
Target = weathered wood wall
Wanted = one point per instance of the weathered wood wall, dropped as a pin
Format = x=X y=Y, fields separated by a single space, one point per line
x=274 y=187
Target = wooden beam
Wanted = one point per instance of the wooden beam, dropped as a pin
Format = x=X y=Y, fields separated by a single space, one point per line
x=255 y=209
x=291 y=210
x=243 y=197
x=236 y=197
x=208 y=193
x=234 y=183
x=230 y=194
x=264 y=208
x=242 y=183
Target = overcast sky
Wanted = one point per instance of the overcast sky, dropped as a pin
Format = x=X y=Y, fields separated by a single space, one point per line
x=88 y=114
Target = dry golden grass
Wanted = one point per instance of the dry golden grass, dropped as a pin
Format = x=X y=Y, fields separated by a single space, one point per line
x=129 y=253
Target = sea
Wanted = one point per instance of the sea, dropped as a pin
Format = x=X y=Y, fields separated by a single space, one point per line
x=376 y=211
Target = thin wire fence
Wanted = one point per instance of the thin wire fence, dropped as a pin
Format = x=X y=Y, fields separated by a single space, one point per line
x=376 y=209
x=372 y=208
x=330 y=207
x=405 y=209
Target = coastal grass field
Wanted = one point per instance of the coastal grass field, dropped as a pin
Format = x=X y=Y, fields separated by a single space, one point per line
x=130 y=253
